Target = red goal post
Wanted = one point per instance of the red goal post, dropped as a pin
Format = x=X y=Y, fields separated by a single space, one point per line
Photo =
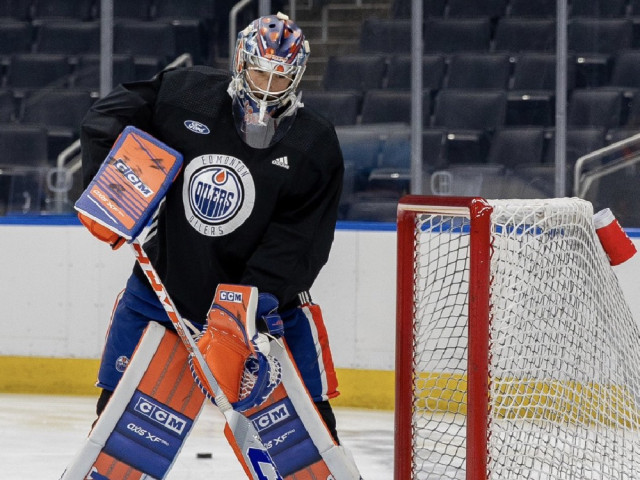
x=516 y=353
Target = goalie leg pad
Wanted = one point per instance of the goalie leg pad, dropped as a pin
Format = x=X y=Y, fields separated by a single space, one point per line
x=149 y=416
x=293 y=431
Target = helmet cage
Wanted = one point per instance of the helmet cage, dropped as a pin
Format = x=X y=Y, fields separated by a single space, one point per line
x=269 y=62
x=276 y=72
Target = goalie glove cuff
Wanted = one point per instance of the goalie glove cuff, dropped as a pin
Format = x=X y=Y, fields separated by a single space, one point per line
x=267 y=316
x=101 y=232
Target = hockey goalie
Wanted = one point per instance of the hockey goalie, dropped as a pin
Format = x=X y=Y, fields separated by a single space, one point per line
x=244 y=209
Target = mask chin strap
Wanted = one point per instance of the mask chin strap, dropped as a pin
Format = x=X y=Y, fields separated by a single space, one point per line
x=263 y=111
x=294 y=101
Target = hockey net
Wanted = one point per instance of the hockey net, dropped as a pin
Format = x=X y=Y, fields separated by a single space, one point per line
x=517 y=355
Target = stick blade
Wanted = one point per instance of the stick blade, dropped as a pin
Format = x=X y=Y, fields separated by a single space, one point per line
x=246 y=444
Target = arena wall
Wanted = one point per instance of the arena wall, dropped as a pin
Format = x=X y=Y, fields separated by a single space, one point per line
x=58 y=285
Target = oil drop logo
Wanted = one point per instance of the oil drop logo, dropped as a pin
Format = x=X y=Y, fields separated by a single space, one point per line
x=218 y=194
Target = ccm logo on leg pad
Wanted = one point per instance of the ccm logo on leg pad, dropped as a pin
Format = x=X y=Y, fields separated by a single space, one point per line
x=273 y=416
x=160 y=415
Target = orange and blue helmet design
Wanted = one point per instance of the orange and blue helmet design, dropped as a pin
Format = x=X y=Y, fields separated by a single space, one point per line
x=273 y=50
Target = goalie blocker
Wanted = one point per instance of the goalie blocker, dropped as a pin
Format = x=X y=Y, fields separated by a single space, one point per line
x=126 y=191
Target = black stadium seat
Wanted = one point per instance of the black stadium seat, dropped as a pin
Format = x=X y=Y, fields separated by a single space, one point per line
x=151 y=44
x=433 y=149
x=7 y=106
x=63 y=9
x=360 y=148
x=138 y=10
x=479 y=70
x=528 y=8
x=431 y=8
x=392 y=106
x=399 y=72
x=15 y=37
x=192 y=22
x=537 y=71
x=148 y=39
x=340 y=108
x=373 y=208
x=38 y=70
x=477 y=8
x=448 y=35
x=68 y=37
x=521 y=34
x=23 y=145
x=469 y=117
x=16 y=10
x=595 y=42
x=580 y=141
x=61 y=111
x=23 y=162
x=598 y=8
x=191 y=10
x=385 y=36
x=626 y=70
x=87 y=71
x=531 y=100
x=517 y=145
x=358 y=72
x=470 y=109
x=595 y=107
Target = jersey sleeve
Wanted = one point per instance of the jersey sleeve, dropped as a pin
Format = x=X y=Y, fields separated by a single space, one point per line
x=127 y=104
x=298 y=240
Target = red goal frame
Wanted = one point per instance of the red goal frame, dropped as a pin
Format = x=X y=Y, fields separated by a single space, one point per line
x=479 y=212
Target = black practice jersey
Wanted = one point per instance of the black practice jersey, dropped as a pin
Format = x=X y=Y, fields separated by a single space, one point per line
x=262 y=217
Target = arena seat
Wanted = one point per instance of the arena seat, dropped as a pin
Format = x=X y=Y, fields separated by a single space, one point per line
x=358 y=72
x=478 y=70
x=340 y=108
x=399 y=72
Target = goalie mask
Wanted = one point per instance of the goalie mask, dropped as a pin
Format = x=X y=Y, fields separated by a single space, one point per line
x=270 y=58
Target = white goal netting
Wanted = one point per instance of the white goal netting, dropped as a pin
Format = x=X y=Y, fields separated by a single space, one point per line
x=563 y=350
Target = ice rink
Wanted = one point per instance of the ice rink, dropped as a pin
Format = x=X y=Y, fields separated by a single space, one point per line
x=40 y=435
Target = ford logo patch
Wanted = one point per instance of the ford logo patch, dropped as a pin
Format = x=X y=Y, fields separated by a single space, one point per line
x=197 y=127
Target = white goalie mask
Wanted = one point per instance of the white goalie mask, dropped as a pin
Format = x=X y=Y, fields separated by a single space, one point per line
x=270 y=59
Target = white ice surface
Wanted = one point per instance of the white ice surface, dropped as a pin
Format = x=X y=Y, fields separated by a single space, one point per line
x=40 y=434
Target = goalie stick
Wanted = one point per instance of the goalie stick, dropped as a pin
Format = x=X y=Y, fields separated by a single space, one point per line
x=256 y=458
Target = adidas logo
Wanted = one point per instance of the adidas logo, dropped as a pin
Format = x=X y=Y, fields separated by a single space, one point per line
x=281 y=162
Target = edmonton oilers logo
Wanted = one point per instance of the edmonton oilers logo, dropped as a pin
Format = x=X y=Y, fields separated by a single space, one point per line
x=218 y=194
x=121 y=363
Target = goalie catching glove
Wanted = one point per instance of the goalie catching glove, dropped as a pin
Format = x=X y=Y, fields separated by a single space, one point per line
x=234 y=349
